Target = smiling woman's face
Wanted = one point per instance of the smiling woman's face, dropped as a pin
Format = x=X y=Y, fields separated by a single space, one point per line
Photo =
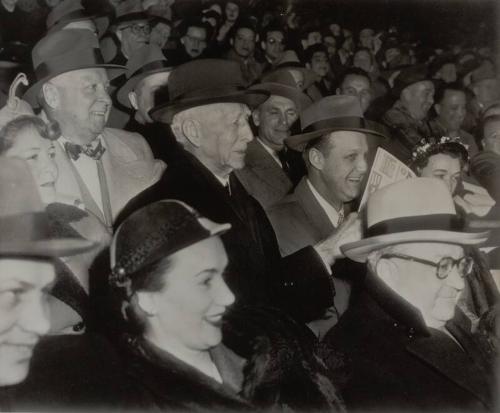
x=39 y=154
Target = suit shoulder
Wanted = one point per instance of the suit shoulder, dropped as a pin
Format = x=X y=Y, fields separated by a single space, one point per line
x=133 y=140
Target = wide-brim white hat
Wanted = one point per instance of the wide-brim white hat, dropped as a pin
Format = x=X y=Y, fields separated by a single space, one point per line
x=412 y=210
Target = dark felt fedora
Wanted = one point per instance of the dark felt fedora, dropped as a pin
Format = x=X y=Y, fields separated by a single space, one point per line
x=330 y=114
x=129 y=11
x=69 y=11
x=146 y=61
x=203 y=82
x=157 y=231
x=64 y=51
x=282 y=83
x=409 y=76
x=24 y=224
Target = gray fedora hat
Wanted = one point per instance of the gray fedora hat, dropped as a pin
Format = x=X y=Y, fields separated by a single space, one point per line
x=330 y=114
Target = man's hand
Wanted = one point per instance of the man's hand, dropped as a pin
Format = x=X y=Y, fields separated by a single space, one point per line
x=350 y=231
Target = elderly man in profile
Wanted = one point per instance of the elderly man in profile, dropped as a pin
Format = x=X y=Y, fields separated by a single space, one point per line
x=408 y=117
x=208 y=114
x=270 y=169
x=403 y=354
x=335 y=147
x=100 y=168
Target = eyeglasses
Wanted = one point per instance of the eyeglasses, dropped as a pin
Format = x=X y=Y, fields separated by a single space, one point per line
x=464 y=265
x=138 y=29
x=196 y=40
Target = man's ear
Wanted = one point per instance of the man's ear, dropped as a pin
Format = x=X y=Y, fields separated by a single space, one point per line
x=308 y=65
x=437 y=108
x=183 y=40
x=256 y=117
x=231 y=42
x=316 y=158
x=51 y=95
x=132 y=97
x=263 y=45
x=304 y=44
x=191 y=129
x=119 y=35
x=146 y=302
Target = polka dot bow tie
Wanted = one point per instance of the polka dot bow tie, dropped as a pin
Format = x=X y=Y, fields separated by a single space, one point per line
x=93 y=150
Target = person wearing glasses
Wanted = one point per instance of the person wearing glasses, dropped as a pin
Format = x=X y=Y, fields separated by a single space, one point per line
x=405 y=353
x=193 y=42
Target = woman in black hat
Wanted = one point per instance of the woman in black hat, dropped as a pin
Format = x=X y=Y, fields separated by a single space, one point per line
x=168 y=287
x=28 y=137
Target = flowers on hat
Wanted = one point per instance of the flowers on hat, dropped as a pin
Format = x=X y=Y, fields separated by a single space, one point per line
x=429 y=146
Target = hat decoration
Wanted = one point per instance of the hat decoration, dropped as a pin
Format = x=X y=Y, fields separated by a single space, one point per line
x=429 y=146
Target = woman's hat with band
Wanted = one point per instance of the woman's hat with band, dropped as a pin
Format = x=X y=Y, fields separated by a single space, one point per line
x=330 y=114
x=157 y=231
x=411 y=210
x=65 y=51
x=25 y=228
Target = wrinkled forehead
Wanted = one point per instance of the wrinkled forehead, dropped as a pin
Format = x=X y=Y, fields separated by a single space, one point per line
x=277 y=36
x=356 y=81
x=81 y=76
x=430 y=250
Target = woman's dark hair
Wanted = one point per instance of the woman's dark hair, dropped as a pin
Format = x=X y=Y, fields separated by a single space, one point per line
x=150 y=277
x=10 y=131
x=428 y=147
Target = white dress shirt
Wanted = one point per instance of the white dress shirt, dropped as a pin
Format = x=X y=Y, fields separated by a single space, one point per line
x=87 y=168
x=335 y=217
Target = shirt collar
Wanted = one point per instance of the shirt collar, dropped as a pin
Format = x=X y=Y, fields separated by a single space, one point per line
x=331 y=212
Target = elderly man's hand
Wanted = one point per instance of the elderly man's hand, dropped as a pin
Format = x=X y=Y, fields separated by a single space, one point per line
x=349 y=231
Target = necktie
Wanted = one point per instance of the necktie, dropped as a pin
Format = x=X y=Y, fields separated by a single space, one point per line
x=94 y=150
x=341 y=217
x=284 y=162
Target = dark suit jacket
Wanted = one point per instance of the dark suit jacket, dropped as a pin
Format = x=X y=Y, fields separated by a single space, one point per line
x=262 y=177
x=396 y=362
x=299 y=283
x=300 y=221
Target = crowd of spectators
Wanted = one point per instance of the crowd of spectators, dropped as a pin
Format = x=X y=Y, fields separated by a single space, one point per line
x=181 y=215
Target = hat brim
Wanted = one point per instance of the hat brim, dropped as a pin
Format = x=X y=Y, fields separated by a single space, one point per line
x=359 y=251
x=165 y=113
x=300 y=99
x=130 y=84
x=60 y=247
x=299 y=142
x=131 y=17
x=31 y=94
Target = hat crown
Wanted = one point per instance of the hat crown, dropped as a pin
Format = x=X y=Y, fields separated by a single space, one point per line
x=408 y=76
x=62 y=10
x=409 y=198
x=331 y=107
x=144 y=56
x=203 y=75
x=63 y=43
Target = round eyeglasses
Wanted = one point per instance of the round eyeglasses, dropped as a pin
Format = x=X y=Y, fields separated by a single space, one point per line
x=138 y=29
x=464 y=265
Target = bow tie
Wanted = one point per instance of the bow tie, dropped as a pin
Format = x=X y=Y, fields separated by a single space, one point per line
x=93 y=150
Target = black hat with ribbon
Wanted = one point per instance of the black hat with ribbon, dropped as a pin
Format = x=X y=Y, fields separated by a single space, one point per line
x=146 y=61
x=65 y=51
x=203 y=82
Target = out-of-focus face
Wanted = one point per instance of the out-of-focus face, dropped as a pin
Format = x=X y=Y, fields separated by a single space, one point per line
x=145 y=92
x=314 y=38
x=418 y=99
x=444 y=167
x=232 y=11
x=188 y=311
x=331 y=45
x=23 y=314
x=134 y=35
x=448 y=73
x=359 y=86
x=486 y=91
x=451 y=111
x=160 y=35
x=195 y=41
x=418 y=284
x=39 y=153
x=226 y=134
x=491 y=133
x=274 y=118
x=363 y=60
x=335 y=29
x=274 y=45
x=345 y=165
x=244 y=42
x=319 y=64
x=392 y=54
x=366 y=38
x=82 y=24
x=83 y=103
